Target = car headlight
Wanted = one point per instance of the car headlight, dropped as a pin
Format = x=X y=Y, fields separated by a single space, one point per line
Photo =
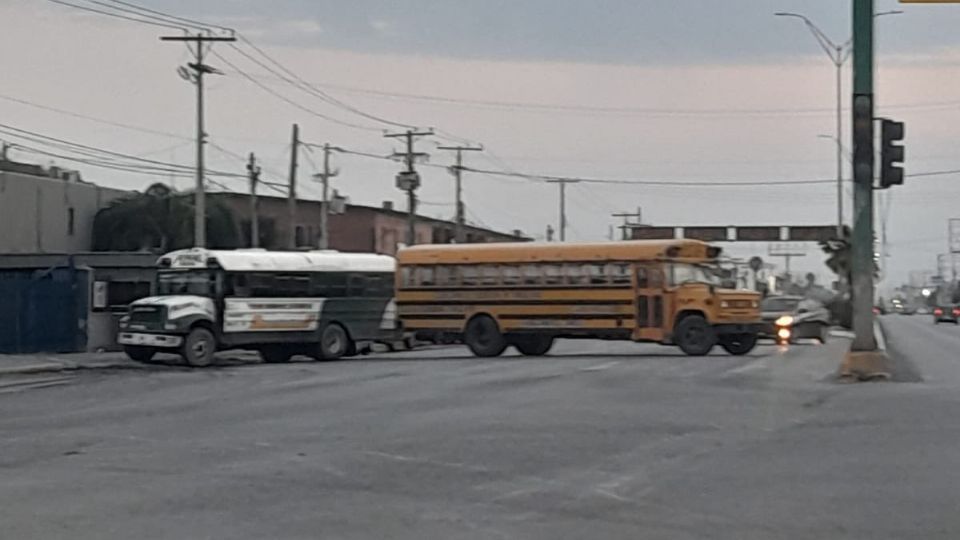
x=785 y=320
x=724 y=304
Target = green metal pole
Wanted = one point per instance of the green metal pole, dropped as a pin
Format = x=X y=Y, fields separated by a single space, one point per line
x=862 y=241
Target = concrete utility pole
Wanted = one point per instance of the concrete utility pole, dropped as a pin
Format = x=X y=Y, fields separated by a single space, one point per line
x=563 y=203
x=457 y=171
x=325 y=204
x=253 y=170
x=292 y=189
x=196 y=76
x=409 y=180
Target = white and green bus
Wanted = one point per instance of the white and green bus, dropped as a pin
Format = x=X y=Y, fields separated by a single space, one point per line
x=323 y=304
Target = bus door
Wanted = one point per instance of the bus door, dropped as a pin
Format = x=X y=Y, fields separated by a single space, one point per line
x=649 y=303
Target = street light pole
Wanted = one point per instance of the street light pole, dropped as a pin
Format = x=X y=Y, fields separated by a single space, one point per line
x=838 y=54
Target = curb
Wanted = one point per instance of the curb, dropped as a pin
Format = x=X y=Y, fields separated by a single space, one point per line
x=67 y=365
x=32 y=368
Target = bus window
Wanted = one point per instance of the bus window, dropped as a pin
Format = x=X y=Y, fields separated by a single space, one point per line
x=446 y=276
x=510 y=275
x=619 y=273
x=329 y=284
x=425 y=277
x=489 y=274
x=291 y=285
x=553 y=274
x=531 y=274
x=576 y=273
x=469 y=275
x=261 y=284
x=595 y=273
x=406 y=276
x=643 y=280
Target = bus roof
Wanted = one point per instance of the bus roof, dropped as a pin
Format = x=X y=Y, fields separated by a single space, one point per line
x=260 y=260
x=518 y=252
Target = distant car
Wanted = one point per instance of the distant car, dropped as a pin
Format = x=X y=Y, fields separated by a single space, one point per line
x=946 y=314
x=904 y=309
x=809 y=318
x=923 y=310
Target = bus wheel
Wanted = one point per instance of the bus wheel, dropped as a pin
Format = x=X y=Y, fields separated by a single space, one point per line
x=276 y=354
x=483 y=337
x=199 y=347
x=533 y=345
x=334 y=343
x=738 y=344
x=140 y=354
x=694 y=336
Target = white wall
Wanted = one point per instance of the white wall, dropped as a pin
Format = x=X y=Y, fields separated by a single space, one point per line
x=34 y=213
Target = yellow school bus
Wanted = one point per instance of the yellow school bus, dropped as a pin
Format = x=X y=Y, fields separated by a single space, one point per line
x=491 y=296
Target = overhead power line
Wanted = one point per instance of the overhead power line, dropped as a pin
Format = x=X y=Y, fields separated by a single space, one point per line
x=299 y=82
x=118 y=15
x=191 y=22
x=95 y=119
x=290 y=101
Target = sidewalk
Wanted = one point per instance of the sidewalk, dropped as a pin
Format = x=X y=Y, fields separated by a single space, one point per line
x=18 y=364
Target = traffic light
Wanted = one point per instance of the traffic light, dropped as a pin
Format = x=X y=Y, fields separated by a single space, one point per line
x=891 y=153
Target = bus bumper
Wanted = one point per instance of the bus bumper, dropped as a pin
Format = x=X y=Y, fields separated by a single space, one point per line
x=149 y=340
x=738 y=328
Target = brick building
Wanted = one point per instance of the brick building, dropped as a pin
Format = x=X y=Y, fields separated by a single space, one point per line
x=359 y=228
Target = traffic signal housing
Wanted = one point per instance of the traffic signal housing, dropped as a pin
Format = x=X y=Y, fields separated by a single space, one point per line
x=891 y=153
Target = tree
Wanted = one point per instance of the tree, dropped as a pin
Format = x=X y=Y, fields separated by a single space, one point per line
x=161 y=220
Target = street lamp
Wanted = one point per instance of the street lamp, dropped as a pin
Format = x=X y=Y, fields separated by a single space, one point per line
x=838 y=53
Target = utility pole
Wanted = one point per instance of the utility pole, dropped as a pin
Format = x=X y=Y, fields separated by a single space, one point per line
x=253 y=170
x=457 y=171
x=563 y=203
x=409 y=180
x=199 y=69
x=292 y=189
x=325 y=204
x=626 y=221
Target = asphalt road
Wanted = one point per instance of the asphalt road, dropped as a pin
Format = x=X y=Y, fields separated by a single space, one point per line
x=601 y=440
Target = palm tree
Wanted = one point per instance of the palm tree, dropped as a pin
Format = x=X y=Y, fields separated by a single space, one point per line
x=160 y=220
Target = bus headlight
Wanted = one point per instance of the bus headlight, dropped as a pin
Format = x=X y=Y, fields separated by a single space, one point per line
x=170 y=326
x=785 y=320
x=724 y=304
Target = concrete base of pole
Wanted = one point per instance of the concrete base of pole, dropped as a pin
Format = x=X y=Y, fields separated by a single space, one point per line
x=865 y=366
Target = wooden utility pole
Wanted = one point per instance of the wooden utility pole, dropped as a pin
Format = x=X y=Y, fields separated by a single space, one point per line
x=625 y=228
x=199 y=69
x=409 y=180
x=563 y=203
x=253 y=170
x=292 y=189
x=457 y=171
x=325 y=204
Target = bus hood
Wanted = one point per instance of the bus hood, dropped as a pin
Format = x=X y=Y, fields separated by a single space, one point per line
x=739 y=299
x=179 y=306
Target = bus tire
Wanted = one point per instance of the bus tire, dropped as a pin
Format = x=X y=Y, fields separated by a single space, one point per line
x=694 y=336
x=334 y=343
x=138 y=353
x=276 y=354
x=533 y=345
x=198 y=347
x=738 y=344
x=483 y=337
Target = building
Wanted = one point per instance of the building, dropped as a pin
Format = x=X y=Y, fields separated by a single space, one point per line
x=48 y=210
x=359 y=228
x=61 y=302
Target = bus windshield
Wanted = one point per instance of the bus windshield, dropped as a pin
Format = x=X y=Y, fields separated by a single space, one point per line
x=681 y=273
x=198 y=283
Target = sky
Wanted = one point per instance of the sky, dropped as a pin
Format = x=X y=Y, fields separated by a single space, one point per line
x=681 y=91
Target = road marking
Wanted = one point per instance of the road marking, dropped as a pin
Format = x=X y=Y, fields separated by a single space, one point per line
x=600 y=367
x=424 y=461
